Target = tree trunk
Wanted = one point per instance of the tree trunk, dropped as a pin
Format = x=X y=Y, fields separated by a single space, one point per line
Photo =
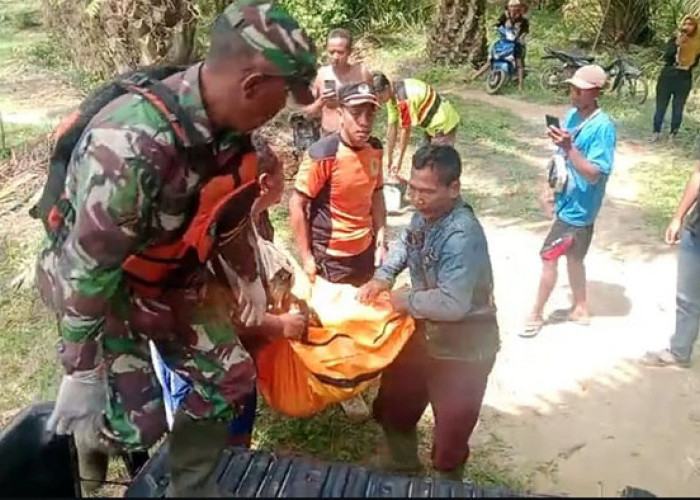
x=627 y=21
x=458 y=33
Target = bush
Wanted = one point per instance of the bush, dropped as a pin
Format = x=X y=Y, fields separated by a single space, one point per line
x=318 y=17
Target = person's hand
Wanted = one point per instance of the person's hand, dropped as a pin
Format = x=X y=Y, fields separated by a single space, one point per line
x=394 y=170
x=82 y=396
x=309 y=267
x=681 y=37
x=561 y=138
x=371 y=290
x=399 y=299
x=250 y=299
x=328 y=98
x=293 y=325
x=673 y=231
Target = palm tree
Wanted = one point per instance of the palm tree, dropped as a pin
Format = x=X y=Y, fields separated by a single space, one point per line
x=458 y=34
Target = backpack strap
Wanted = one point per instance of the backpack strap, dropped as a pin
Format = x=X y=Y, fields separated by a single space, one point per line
x=163 y=99
x=189 y=140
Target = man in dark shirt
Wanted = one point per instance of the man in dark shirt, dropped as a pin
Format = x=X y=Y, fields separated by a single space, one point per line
x=513 y=17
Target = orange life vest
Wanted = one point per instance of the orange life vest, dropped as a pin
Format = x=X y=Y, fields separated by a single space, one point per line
x=147 y=271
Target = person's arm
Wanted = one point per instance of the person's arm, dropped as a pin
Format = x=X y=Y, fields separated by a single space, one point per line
x=392 y=115
x=404 y=137
x=311 y=178
x=403 y=116
x=525 y=27
x=313 y=110
x=391 y=143
x=524 y=30
x=395 y=262
x=298 y=210
x=459 y=267
x=598 y=161
x=690 y=195
x=586 y=168
x=670 y=52
x=384 y=277
x=379 y=218
x=689 y=198
x=274 y=326
x=108 y=228
x=366 y=74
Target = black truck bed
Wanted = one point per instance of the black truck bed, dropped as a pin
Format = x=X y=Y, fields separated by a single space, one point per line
x=252 y=474
x=34 y=463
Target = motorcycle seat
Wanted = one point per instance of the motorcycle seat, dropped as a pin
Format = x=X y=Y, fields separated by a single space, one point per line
x=575 y=57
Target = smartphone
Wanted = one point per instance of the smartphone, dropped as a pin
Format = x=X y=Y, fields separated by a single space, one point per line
x=328 y=85
x=552 y=121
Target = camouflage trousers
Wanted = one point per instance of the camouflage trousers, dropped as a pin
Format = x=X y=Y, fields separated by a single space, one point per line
x=199 y=343
x=212 y=358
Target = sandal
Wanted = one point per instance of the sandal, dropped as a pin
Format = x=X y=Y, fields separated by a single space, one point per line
x=564 y=315
x=531 y=329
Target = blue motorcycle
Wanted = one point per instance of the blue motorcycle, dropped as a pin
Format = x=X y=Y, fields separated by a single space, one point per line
x=502 y=60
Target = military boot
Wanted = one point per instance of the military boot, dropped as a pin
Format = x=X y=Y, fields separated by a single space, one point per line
x=194 y=449
x=401 y=453
x=93 y=459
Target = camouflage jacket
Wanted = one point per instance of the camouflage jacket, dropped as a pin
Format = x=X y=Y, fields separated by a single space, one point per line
x=129 y=189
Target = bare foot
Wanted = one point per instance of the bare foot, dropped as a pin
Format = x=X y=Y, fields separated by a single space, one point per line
x=580 y=315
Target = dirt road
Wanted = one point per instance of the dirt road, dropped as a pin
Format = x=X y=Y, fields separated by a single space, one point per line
x=572 y=407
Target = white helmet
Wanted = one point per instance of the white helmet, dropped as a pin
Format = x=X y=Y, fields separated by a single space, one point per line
x=514 y=3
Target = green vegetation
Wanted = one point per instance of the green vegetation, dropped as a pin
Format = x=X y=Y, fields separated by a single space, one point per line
x=19 y=30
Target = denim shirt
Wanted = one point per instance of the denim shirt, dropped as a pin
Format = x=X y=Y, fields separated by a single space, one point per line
x=450 y=270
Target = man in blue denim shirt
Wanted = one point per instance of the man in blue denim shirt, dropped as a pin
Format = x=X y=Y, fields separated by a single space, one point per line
x=447 y=361
x=687 y=280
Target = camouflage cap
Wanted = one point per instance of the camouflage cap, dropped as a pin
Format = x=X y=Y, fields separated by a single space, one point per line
x=267 y=28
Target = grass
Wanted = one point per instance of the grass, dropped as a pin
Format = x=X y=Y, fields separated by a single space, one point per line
x=496 y=178
x=19 y=29
x=329 y=435
x=28 y=366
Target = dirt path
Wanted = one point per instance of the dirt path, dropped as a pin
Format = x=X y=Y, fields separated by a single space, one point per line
x=573 y=408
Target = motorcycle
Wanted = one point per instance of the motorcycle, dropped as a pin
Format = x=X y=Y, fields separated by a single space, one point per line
x=627 y=80
x=554 y=76
x=502 y=60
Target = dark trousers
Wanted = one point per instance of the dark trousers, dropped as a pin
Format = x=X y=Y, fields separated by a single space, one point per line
x=454 y=389
x=356 y=270
x=672 y=84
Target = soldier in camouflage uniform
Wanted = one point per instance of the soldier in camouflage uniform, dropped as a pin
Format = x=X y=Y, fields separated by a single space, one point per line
x=128 y=189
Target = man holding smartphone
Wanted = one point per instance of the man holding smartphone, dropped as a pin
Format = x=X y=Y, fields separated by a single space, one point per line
x=329 y=78
x=587 y=145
